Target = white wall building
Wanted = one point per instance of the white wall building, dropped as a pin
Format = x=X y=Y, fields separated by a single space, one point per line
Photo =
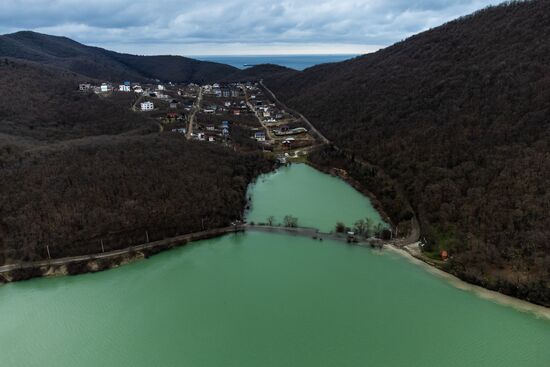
x=147 y=106
x=124 y=88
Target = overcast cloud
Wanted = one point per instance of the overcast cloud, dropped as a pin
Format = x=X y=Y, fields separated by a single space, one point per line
x=233 y=26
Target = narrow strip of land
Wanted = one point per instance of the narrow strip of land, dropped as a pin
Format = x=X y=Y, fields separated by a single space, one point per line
x=116 y=253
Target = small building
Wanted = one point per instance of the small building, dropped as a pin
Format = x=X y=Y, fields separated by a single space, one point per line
x=226 y=93
x=288 y=142
x=104 y=88
x=444 y=255
x=160 y=87
x=174 y=104
x=236 y=112
x=235 y=93
x=172 y=115
x=147 y=106
x=259 y=136
x=210 y=127
x=84 y=87
x=124 y=88
x=138 y=89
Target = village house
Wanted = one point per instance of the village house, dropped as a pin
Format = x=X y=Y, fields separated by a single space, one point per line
x=180 y=130
x=105 y=88
x=288 y=142
x=124 y=88
x=147 y=106
x=138 y=89
x=172 y=115
x=84 y=87
x=174 y=104
x=259 y=136
x=210 y=127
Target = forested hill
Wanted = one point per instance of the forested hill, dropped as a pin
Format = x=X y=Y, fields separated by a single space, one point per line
x=42 y=105
x=459 y=116
x=102 y=64
x=77 y=170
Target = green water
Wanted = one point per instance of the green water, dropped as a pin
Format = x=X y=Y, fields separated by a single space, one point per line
x=259 y=299
x=316 y=199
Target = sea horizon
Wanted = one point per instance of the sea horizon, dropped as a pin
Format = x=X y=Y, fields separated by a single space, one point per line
x=293 y=61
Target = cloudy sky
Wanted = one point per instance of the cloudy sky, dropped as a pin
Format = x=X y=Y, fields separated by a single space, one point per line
x=221 y=27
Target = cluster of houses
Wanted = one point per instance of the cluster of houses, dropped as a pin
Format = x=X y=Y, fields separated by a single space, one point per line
x=227 y=91
x=156 y=91
x=234 y=108
x=213 y=132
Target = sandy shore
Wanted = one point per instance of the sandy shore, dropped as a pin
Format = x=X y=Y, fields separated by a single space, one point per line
x=502 y=299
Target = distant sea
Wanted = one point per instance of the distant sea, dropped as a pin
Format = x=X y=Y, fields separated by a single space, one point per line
x=297 y=62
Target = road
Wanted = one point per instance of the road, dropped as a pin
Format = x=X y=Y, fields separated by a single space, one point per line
x=310 y=125
x=168 y=242
x=253 y=108
x=196 y=108
x=113 y=254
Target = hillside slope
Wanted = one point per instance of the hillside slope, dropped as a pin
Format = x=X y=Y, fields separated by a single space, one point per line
x=77 y=169
x=98 y=63
x=459 y=117
x=42 y=105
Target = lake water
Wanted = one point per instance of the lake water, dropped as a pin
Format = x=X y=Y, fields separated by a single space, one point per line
x=258 y=299
x=297 y=62
x=316 y=199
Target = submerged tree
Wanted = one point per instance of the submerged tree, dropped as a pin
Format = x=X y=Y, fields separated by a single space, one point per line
x=340 y=227
x=290 y=221
x=270 y=220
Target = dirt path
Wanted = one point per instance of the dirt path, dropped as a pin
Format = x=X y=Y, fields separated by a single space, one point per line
x=196 y=108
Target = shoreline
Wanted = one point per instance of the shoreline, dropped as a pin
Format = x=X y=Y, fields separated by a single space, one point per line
x=502 y=299
x=92 y=263
x=114 y=259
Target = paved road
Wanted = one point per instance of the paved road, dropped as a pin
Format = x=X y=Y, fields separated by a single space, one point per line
x=196 y=108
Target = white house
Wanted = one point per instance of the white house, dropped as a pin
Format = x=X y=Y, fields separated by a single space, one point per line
x=147 y=106
x=138 y=89
x=104 y=88
x=160 y=87
x=259 y=136
x=124 y=88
